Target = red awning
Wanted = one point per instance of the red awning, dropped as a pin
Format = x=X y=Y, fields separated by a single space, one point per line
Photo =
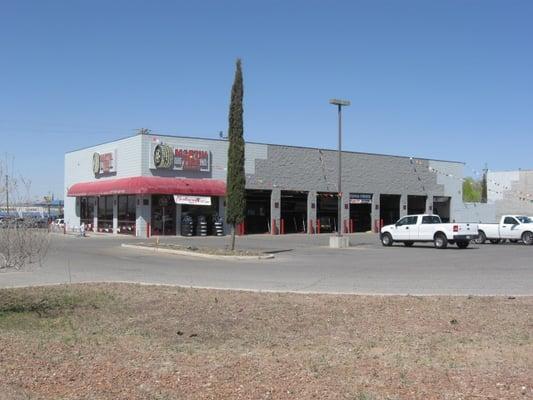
x=149 y=185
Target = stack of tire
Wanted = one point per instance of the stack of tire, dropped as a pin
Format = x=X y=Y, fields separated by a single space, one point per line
x=201 y=226
x=218 y=226
x=187 y=226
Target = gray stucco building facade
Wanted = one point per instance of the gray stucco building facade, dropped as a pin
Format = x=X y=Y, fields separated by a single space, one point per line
x=510 y=192
x=154 y=184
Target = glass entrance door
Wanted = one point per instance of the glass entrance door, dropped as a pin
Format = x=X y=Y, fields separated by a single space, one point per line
x=163 y=215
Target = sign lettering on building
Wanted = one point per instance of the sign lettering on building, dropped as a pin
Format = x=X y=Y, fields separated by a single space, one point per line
x=360 y=198
x=165 y=156
x=191 y=159
x=104 y=163
x=193 y=200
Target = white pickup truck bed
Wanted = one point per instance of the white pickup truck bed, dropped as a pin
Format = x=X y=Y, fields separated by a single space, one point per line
x=428 y=228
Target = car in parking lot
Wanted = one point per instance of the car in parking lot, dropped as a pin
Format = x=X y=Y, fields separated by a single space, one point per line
x=428 y=228
x=510 y=227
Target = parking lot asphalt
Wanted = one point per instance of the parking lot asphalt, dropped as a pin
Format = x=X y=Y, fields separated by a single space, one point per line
x=302 y=263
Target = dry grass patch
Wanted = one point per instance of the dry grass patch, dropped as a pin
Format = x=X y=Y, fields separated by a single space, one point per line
x=113 y=341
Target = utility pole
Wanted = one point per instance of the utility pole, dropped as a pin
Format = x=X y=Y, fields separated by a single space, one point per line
x=7 y=195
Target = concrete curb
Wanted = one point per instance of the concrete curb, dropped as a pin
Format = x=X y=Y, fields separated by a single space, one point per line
x=194 y=254
x=282 y=291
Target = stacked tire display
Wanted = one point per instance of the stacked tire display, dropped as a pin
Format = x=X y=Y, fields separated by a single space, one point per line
x=218 y=226
x=201 y=226
x=187 y=226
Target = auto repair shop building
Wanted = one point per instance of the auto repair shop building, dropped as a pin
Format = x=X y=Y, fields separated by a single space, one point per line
x=148 y=184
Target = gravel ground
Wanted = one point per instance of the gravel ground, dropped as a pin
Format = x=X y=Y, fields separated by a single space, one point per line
x=219 y=251
x=119 y=341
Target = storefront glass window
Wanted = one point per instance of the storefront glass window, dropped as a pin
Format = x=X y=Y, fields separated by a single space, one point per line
x=87 y=212
x=126 y=214
x=105 y=214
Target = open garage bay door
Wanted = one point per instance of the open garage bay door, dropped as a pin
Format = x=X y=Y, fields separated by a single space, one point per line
x=389 y=208
x=326 y=212
x=441 y=207
x=257 y=216
x=361 y=211
x=294 y=211
x=416 y=205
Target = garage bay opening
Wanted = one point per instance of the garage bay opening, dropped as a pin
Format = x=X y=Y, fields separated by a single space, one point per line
x=389 y=208
x=416 y=205
x=360 y=212
x=257 y=216
x=294 y=211
x=441 y=207
x=327 y=206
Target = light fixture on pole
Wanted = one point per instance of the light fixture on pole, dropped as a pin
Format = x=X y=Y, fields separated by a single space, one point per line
x=339 y=103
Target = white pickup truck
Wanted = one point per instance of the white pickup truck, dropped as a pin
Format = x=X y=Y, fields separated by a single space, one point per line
x=512 y=227
x=428 y=228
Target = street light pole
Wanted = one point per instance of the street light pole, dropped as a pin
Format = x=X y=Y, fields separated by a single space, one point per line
x=339 y=104
x=7 y=195
x=339 y=180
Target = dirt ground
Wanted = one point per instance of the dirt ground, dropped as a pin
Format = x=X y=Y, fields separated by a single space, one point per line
x=118 y=341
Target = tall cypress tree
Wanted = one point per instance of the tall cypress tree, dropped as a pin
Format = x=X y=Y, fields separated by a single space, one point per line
x=484 y=196
x=236 y=180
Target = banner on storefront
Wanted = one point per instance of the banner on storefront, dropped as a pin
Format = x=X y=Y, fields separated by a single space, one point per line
x=192 y=200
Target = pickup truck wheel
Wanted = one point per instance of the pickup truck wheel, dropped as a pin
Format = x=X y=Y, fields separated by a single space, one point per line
x=408 y=244
x=440 y=241
x=527 y=238
x=386 y=239
x=494 y=241
x=481 y=238
x=463 y=245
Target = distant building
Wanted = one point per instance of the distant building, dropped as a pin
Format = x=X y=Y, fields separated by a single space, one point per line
x=511 y=191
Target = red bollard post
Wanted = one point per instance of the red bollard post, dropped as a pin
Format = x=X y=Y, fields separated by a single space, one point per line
x=317 y=226
x=148 y=230
x=273 y=226
x=282 y=223
x=381 y=224
x=310 y=229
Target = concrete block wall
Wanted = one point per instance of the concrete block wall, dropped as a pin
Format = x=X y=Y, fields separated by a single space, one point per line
x=307 y=169
x=296 y=168
x=508 y=191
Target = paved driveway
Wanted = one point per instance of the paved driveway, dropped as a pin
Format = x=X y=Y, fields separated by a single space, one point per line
x=302 y=263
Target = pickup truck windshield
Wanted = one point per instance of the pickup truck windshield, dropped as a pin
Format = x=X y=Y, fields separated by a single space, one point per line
x=431 y=219
x=525 y=220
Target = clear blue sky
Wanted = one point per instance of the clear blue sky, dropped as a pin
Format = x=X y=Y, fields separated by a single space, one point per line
x=438 y=79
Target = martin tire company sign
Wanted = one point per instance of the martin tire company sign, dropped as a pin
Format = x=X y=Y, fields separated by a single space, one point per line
x=165 y=156
x=105 y=163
